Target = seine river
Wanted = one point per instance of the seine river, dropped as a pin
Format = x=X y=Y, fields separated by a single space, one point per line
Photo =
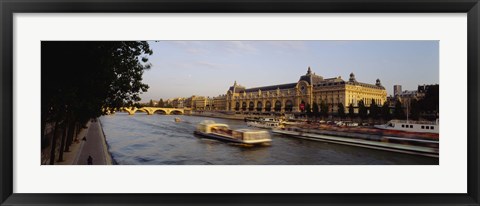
x=143 y=139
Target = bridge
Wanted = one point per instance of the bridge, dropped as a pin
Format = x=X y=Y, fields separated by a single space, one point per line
x=152 y=110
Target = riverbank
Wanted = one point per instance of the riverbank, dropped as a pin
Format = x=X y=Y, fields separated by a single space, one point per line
x=94 y=145
x=90 y=141
x=218 y=115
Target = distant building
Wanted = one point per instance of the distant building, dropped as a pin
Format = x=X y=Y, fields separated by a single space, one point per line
x=309 y=89
x=220 y=102
x=397 y=89
x=200 y=103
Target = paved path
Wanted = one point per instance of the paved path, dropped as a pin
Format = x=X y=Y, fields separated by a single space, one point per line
x=94 y=146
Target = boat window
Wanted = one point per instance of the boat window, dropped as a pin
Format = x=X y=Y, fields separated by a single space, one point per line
x=403 y=125
x=427 y=127
x=431 y=127
x=423 y=127
x=411 y=126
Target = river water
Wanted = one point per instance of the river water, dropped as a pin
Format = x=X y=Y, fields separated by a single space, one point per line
x=143 y=139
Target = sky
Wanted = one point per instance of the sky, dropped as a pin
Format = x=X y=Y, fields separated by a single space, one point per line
x=209 y=68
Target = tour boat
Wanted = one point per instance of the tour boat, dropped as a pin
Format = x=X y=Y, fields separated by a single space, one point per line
x=266 y=123
x=212 y=130
x=411 y=126
x=177 y=119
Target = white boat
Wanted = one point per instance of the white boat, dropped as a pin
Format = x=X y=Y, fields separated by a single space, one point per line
x=212 y=130
x=411 y=126
x=263 y=124
x=266 y=123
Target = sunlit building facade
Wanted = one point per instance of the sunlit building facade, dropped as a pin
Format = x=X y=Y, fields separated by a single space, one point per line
x=309 y=89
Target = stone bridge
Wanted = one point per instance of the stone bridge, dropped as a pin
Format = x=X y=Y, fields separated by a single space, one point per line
x=152 y=110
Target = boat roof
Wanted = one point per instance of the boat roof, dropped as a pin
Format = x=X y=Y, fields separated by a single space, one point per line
x=249 y=130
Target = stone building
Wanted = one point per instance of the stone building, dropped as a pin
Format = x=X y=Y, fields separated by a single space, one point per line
x=309 y=89
x=220 y=102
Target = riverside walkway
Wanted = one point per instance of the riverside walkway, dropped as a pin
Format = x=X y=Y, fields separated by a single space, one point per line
x=93 y=145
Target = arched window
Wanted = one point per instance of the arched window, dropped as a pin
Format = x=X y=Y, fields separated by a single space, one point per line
x=259 y=106
x=288 y=106
x=251 y=106
x=268 y=106
x=278 y=106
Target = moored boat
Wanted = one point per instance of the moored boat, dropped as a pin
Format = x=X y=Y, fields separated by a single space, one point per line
x=212 y=130
x=265 y=123
x=410 y=126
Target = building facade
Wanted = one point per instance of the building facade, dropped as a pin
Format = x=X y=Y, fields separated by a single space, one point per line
x=309 y=89
x=397 y=89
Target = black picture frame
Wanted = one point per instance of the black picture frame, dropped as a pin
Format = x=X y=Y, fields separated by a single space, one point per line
x=10 y=7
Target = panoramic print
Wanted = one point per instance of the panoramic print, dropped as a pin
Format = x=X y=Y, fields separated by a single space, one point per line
x=240 y=103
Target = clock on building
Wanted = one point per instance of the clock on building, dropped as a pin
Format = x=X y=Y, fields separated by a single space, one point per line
x=302 y=89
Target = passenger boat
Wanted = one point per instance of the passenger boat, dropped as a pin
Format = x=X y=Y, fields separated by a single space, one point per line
x=212 y=130
x=266 y=123
x=410 y=126
x=177 y=119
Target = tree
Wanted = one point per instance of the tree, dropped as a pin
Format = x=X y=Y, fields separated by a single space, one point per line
x=386 y=111
x=351 y=111
x=323 y=109
x=362 y=110
x=83 y=80
x=308 y=110
x=341 y=110
x=161 y=103
x=151 y=104
x=398 y=111
x=315 y=110
x=374 y=110
x=430 y=103
x=414 y=110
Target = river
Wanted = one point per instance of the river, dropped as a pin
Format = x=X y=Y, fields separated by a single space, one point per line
x=143 y=139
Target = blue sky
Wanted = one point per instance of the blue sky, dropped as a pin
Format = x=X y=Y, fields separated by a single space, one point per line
x=208 y=68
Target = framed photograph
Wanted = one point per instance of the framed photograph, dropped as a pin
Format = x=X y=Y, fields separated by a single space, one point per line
x=252 y=103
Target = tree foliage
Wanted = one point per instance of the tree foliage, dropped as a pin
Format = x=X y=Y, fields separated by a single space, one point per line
x=362 y=110
x=341 y=110
x=80 y=80
x=351 y=111
x=414 y=109
x=323 y=109
x=386 y=111
x=308 y=110
x=374 y=110
x=315 y=110
x=398 y=111
x=161 y=103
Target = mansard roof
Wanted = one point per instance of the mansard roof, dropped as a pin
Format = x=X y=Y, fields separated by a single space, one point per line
x=272 y=87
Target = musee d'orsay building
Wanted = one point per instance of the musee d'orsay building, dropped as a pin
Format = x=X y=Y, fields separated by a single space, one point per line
x=309 y=89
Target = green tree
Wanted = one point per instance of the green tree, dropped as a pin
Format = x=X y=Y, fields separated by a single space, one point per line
x=398 y=111
x=323 y=109
x=151 y=104
x=374 y=110
x=362 y=110
x=83 y=80
x=341 y=110
x=386 y=111
x=308 y=110
x=315 y=110
x=161 y=103
x=414 y=109
x=351 y=111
